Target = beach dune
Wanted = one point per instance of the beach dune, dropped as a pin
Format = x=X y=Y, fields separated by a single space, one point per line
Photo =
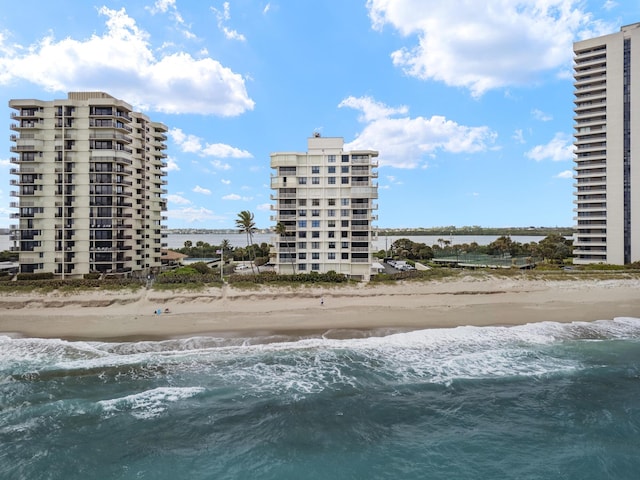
x=478 y=301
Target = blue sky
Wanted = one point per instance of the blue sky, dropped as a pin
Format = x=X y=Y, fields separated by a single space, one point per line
x=468 y=102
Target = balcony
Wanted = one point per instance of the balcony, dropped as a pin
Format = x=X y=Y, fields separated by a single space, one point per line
x=23 y=148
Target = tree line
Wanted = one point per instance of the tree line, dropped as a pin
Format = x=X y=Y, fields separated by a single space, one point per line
x=553 y=248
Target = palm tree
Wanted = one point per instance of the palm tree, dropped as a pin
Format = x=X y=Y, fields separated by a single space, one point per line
x=246 y=225
x=281 y=230
x=225 y=246
x=225 y=249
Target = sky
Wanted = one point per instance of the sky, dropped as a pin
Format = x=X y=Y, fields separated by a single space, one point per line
x=468 y=102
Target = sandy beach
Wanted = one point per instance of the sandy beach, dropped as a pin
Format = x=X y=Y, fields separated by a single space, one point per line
x=411 y=305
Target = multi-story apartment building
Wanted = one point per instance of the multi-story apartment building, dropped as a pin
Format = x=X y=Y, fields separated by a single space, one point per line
x=90 y=186
x=607 y=188
x=325 y=200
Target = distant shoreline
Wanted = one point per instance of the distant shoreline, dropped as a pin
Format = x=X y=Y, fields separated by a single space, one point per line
x=346 y=311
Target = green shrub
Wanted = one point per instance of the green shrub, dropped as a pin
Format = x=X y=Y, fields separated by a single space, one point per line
x=36 y=276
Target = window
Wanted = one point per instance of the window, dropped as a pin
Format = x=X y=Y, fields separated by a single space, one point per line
x=302 y=213
x=302 y=202
x=101 y=111
x=315 y=213
x=344 y=180
x=315 y=256
x=345 y=244
x=315 y=170
x=344 y=223
x=331 y=255
x=345 y=158
x=315 y=234
x=344 y=234
x=315 y=180
x=302 y=267
x=302 y=223
x=331 y=158
x=302 y=256
x=103 y=145
x=315 y=223
x=315 y=266
x=302 y=180
x=315 y=245
x=315 y=202
x=344 y=202
x=331 y=213
x=331 y=180
x=332 y=244
x=331 y=202
x=302 y=245
x=302 y=234
x=331 y=169
x=331 y=223
x=344 y=213
x=332 y=234
x=344 y=169
x=345 y=256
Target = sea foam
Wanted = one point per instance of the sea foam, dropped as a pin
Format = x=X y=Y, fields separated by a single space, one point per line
x=150 y=403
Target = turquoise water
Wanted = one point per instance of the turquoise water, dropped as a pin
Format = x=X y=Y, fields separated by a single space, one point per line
x=541 y=401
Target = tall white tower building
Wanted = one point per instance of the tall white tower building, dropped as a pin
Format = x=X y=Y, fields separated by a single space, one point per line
x=607 y=163
x=325 y=200
x=90 y=186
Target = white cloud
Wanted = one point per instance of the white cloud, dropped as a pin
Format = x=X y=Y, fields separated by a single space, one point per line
x=371 y=110
x=609 y=5
x=393 y=180
x=565 y=174
x=223 y=17
x=221 y=150
x=218 y=165
x=403 y=142
x=187 y=143
x=483 y=45
x=162 y=6
x=199 y=189
x=518 y=136
x=266 y=9
x=193 y=144
x=264 y=207
x=169 y=6
x=235 y=197
x=172 y=165
x=178 y=199
x=540 y=115
x=559 y=149
x=193 y=214
x=121 y=62
x=226 y=182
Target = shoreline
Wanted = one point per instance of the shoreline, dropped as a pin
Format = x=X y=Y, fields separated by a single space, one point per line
x=348 y=312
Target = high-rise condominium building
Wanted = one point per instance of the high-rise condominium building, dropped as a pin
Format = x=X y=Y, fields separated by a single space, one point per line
x=91 y=189
x=607 y=122
x=325 y=200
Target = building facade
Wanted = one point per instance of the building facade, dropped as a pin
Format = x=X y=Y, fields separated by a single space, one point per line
x=607 y=187
x=90 y=178
x=325 y=201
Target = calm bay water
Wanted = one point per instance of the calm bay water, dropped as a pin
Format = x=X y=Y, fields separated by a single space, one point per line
x=175 y=240
x=539 y=401
x=239 y=240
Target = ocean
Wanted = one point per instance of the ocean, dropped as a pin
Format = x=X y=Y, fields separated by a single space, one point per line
x=539 y=401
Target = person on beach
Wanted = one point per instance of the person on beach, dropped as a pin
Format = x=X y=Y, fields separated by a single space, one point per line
x=321 y=301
